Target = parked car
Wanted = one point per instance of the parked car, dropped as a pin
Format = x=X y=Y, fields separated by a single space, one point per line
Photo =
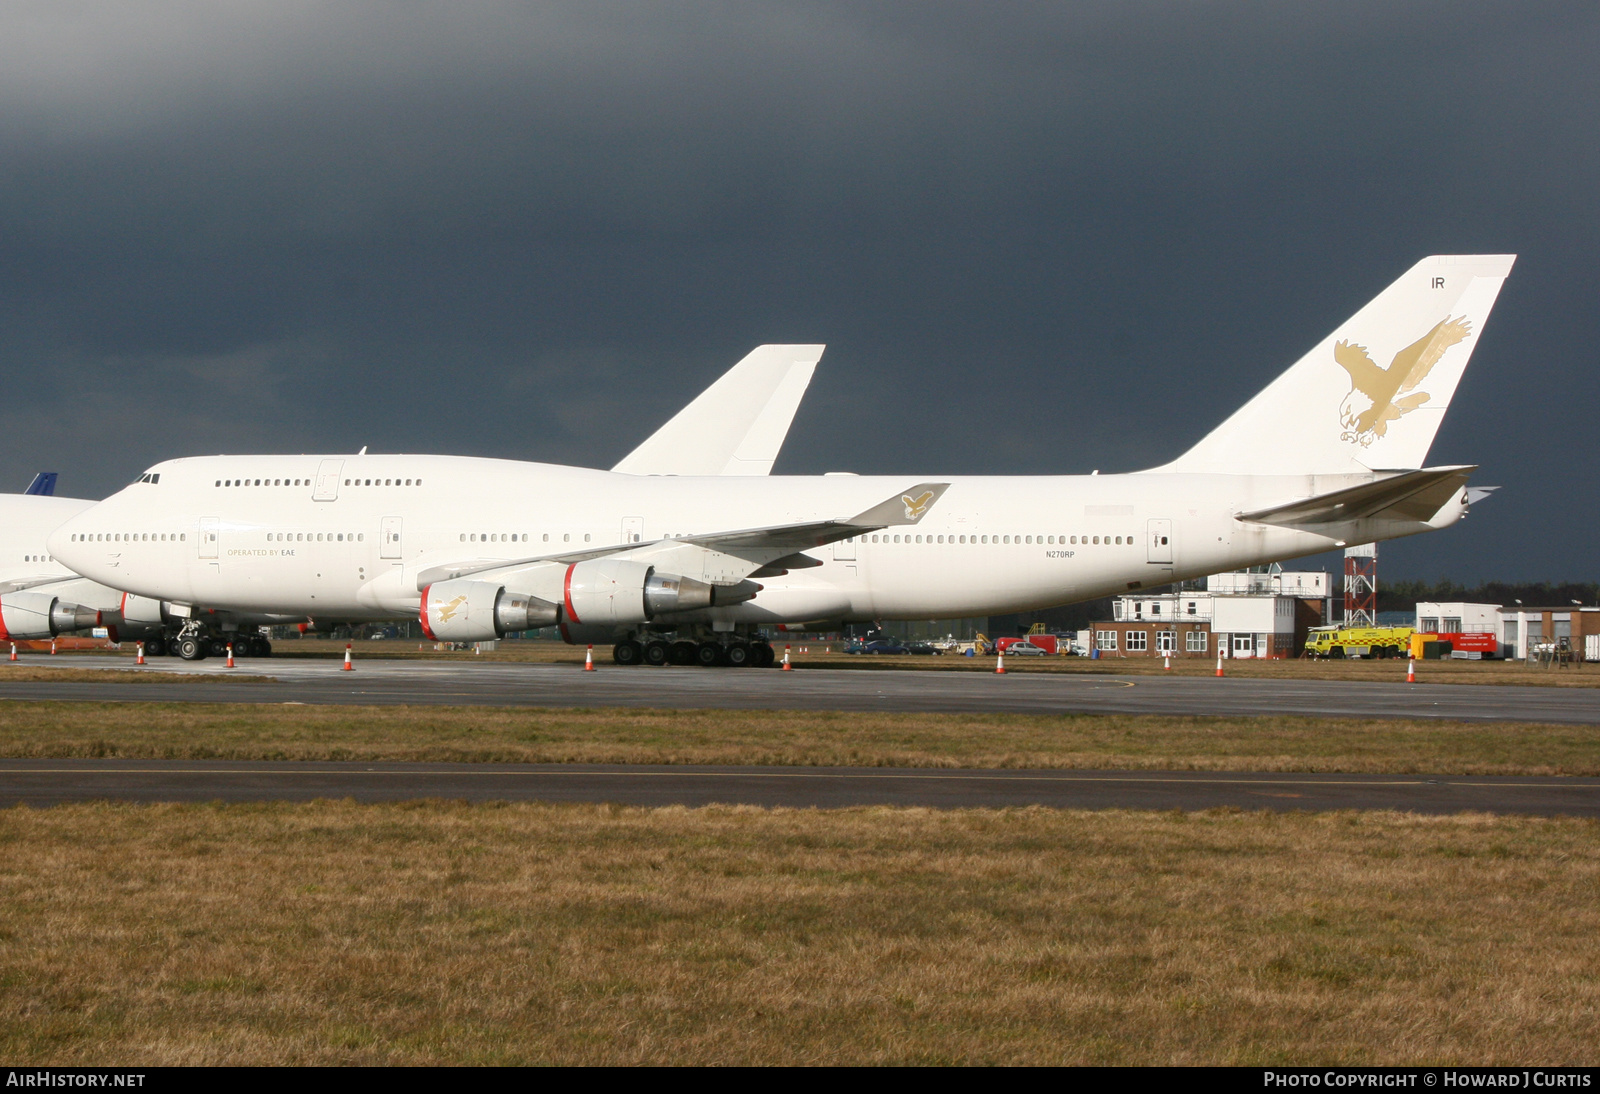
x=879 y=645
x=927 y=648
x=1023 y=649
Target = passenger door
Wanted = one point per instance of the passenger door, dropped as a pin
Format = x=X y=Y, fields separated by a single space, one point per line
x=327 y=486
x=632 y=529
x=389 y=540
x=1158 y=542
x=210 y=529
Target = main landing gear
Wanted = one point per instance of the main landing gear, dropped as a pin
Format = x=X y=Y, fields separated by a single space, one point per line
x=193 y=643
x=736 y=651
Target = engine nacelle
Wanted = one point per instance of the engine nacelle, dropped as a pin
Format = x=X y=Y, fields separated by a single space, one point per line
x=463 y=610
x=25 y=615
x=607 y=591
x=142 y=611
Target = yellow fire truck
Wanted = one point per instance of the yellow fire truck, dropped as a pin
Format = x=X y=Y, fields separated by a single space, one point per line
x=1339 y=642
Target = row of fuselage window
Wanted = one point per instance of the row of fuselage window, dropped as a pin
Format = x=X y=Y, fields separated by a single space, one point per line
x=1060 y=541
x=1119 y=541
x=307 y=482
x=130 y=537
x=37 y=558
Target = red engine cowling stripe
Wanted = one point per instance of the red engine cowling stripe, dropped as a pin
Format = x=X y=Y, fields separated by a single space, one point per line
x=427 y=630
x=566 y=594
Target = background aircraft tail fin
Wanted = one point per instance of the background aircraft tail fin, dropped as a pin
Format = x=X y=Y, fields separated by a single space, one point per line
x=1373 y=393
x=44 y=483
x=738 y=424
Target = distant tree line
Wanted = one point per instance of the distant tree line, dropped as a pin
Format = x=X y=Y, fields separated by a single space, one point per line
x=1402 y=596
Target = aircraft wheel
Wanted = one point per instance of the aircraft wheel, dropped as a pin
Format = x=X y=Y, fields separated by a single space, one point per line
x=191 y=649
x=740 y=655
x=627 y=653
x=764 y=655
x=709 y=654
x=263 y=648
x=656 y=652
x=155 y=647
x=683 y=653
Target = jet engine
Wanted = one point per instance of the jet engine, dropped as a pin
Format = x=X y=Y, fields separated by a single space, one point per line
x=25 y=615
x=463 y=610
x=606 y=591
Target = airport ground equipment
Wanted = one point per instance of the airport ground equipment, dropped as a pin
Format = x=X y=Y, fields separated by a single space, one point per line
x=1340 y=642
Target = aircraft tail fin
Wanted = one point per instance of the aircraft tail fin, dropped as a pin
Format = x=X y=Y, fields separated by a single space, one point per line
x=1373 y=393
x=738 y=424
x=43 y=484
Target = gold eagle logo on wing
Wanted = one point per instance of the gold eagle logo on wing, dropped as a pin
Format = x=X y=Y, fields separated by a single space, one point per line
x=1377 y=395
x=448 y=610
x=916 y=506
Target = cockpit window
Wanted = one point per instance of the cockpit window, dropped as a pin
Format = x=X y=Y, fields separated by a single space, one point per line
x=150 y=477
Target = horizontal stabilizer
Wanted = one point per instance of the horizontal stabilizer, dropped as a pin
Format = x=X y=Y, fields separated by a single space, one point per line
x=738 y=424
x=1413 y=496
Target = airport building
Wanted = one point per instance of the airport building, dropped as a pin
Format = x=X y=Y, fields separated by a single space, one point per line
x=1262 y=613
x=1521 y=631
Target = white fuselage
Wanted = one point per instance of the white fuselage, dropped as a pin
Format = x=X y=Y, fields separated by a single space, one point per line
x=314 y=539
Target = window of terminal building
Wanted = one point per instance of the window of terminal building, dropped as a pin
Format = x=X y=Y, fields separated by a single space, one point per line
x=1195 y=642
x=1137 y=641
x=1105 y=641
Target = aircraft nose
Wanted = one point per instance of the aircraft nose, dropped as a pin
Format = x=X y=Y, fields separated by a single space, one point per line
x=69 y=544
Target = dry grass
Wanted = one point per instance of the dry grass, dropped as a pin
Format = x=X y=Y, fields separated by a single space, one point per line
x=26 y=673
x=535 y=735
x=446 y=933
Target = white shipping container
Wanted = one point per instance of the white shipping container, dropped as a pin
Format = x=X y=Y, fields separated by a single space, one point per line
x=1591 y=647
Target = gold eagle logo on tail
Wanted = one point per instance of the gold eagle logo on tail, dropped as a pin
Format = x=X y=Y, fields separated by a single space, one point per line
x=1375 y=397
x=916 y=506
x=448 y=610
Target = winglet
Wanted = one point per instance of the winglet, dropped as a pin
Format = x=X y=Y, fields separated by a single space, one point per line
x=43 y=484
x=907 y=507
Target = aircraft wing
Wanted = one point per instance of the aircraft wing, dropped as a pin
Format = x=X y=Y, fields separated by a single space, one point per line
x=1411 y=496
x=738 y=424
x=745 y=549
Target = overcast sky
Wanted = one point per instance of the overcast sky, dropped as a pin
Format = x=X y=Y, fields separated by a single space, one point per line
x=1036 y=238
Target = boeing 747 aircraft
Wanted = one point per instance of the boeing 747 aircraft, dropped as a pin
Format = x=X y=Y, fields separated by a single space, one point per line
x=735 y=427
x=691 y=567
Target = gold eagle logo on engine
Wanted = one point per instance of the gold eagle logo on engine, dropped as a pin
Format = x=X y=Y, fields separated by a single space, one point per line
x=448 y=610
x=1375 y=397
x=916 y=506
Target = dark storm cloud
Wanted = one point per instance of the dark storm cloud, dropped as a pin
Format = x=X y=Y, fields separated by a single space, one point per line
x=1035 y=237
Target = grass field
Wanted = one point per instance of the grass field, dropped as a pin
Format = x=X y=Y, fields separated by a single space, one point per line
x=447 y=933
x=536 y=735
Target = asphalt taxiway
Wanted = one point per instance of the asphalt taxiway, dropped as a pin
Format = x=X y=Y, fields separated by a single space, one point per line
x=52 y=782
x=481 y=683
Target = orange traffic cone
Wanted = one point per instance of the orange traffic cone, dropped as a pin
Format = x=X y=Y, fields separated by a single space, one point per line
x=348 y=667
x=1219 y=662
x=139 y=660
x=1411 y=670
x=13 y=651
x=52 y=647
x=1000 y=663
x=1166 y=662
x=230 y=656
x=588 y=660
x=786 y=666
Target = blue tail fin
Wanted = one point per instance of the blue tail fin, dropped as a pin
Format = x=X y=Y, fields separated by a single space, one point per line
x=43 y=484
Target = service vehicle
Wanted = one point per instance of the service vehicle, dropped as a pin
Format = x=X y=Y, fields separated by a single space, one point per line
x=1339 y=642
